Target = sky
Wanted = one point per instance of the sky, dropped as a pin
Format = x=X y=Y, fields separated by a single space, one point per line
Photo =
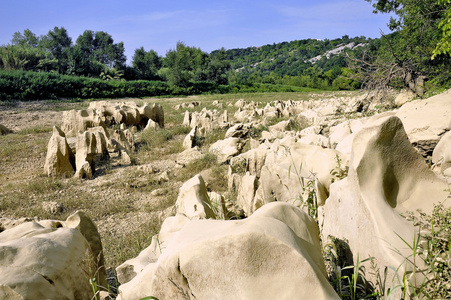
x=208 y=25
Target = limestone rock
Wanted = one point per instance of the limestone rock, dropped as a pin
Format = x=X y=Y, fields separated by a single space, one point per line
x=193 y=200
x=186 y=119
x=86 y=153
x=252 y=161
x=442 y=152
x=238 y=130
x=426 y=120
x=129 y=269
x=189 y=155
x=276 y=253
x=386 y=177
x=227 y=148
x=292 y=163
x=51 y=259
x=80 y=120
x=156 y=114
x=246 y=194
x=60 y=160
x=404 y=97
x=191 y=138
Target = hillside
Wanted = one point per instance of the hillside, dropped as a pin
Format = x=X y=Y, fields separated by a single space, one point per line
x=321 y=60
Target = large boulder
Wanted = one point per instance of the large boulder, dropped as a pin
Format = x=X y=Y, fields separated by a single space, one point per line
x=51 y=259
x=276 y=253
x=60 y=160
x=425 y=121
x=386 y=177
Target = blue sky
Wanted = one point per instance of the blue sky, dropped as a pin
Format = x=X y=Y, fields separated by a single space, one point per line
x=210 y=25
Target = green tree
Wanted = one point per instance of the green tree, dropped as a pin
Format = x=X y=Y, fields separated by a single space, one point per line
x=218 y=67
x=422 y=26
x=444 y=45
x=93 y=51
x=27 y=39
x=184 y=64
x=58 y=43
x=146 y=64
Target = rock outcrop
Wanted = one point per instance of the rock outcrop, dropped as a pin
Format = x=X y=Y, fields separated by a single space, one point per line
x=60 y=160
x=276 y=252
x=386 y=177
x=51 y=259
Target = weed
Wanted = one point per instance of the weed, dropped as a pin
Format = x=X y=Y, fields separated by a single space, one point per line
x=339 y=172
x=308 y=195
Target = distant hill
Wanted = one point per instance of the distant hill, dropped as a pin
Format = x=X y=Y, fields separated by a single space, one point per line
x=319 y=59
x=292 y=58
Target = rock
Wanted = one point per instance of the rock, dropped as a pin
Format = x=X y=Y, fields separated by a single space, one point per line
x=51 y=259
x=293 y=163
x=426 y=120
x=151 y=124
x=386 y=177
x=238 y=131
x=241 y=103
x=4 y=130
x=218 y=205
x=315 y=139
x=86 y=153
x=338 y=133
x=130 y=115
x=226 y=149
x=276 y=252
x=191 y=139
x=252 y=161
x=186 y=119
x=80 y=120
x=103 y=143
x=157 y=114
x=188 y=156
x=123 y=140
x=404 y=97
x=129 y=269
x=442 y=152
x=281 y=127
x=193 y=200
x=246 y=194
x=60 y=160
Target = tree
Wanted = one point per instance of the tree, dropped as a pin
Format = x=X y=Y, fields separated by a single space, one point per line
x=423 y=27
x=184 y=64
x=58 y=43
x=146 y=64
x=28 y=39
x=218 y=67
x=92 y=51
x=444 y=45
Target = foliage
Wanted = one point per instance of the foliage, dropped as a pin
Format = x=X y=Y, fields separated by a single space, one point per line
x=146 y=64
x=290 y=63
x=421 y=32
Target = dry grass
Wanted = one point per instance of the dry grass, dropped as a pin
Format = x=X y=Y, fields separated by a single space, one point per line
x=120 y=198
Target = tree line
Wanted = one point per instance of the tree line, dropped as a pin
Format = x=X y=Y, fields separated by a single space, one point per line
x=95 y=54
